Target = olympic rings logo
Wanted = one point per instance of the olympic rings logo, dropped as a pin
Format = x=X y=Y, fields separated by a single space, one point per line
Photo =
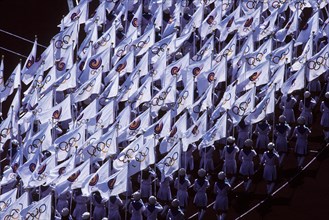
x=251 y=4
x=100 y=147
x=63 y=43
x=278 y=3
x=141 y=156
x=89 y=87
x=141 y=44
x=171 y=160
x=66 y=78
x=156 y=50
x=181 y=99
x=8 y=84
x=226 y=53
x=258 y=58
x=122 y=52
x=129 y=154
x=102 y=42
x=160 y=100
x=227 y=97
x=72 y=142
x=241 y=108
x=282 y=56
x=320 y=61
x=36 y=143
x=5 y=204
x=14 y=213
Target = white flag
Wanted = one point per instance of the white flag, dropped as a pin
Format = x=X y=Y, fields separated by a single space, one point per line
x=311 y=27
x=160 y=128
x=38 y=210
x=318 y=64
x=7 y=199
x=295 y=82
x=171 y=162
x=13 y=211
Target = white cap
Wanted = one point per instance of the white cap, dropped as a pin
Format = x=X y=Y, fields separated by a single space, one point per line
x=301 y=120
x=65 y=212
x=178 y=55
x=230 y=140
x=181 y=172
x=85 y=215
x=152 y=200
x=282 y=118
x=202 y=172
x=221 y=175
x=248 y=143
x=326 y=95
x=307 y=94
x=270 y=146
x=175 y=203
x=137 y=196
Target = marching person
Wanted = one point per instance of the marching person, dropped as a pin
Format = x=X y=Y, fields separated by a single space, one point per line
x=206 y=158
x=153 y=208
x=287 y=104
x=146 y=180
x=246 y=156
x=301 y=132
x=263 y=130
x=324 y=108
x=201 y=185
x=114 y=204
x=243 y=133
x=187 y=160
x=282 y=131
x=270 y=160
x=229 y=157
x=164 y=192
x=221 y=189
x=81 y=204
x=99 y=206
x=136 y=207
x=175 y=213
x=306 y=107
x=182 y=184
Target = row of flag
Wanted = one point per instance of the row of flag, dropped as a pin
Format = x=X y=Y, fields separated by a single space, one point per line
x=152 y=90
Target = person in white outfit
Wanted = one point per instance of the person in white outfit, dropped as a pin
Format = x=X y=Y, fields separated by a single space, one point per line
x=270 y=160
x=182 y=184
x=164 y=193
x=246 y=157
x=114 y=204
x=262 y=130
x=324 y=108
x=175 y=213
x=99 y=206
x=282 y=131
x=301 y=132
x=229 y=156
x=243 y=131
x=201 y=185
x=187 y=160
x=81 y=204
x=206 y=155
x=221 y=189
x=136 y=207
x=306 y=107
x=287 y=104
x=153 y=208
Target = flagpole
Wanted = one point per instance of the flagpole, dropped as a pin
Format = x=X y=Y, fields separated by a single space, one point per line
x=11 y=134
x=273 y=130
x=155 y=182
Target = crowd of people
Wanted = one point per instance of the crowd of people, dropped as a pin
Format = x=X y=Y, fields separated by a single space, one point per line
x=208 y=168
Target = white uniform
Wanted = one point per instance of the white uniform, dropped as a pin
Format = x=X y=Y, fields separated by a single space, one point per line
x=263 y=130
x=114 y=204
x=151 y=211
x=287 y=104
x=136 y=208
x=306 y=110
x=282 y=131
x=99 y=209
x=80 y=207
x=301 y=132
x=221 y=189
x=247 y=165
x=324 y=108
x=187 y=160
x=164 y=192
x=206 y=155
x=175 y=214
x=229 y=154
x=62 y=202
x=146 y=185
x=270 y=159
x=243 y=134
x=200 y=187
x=182 y=185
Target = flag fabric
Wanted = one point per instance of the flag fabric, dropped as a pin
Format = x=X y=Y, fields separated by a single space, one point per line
x=318 y=64
x=306 y=55
x=228 y=51
x=295 y=82
x=263 y=108
x=311 y=27
x=123 y=47
x=171 y=162
x=13 y=82
x=79 y=13
x=128 y=153
x=195 y=132
x=210 y=22
x=143 y=94
x=91 y=87
x=60 y=112
x=205 y=51
x=227 y=100
x=25 y=171
x=259 y=56
x=290 y=28
x=160 y=128
x=114 y=184
x=217 y=132
x=21 y=203
x=163 y=46
x=136 y=22
x=141 y=45
x=60 y=170
x=40 y=175
x=7 y=199
x=89 y=183
x=248 y=23
x=39 y=210
x=30 y=66
x=88 y=42
x=175 y=70
x=227 y=25
x=195 y=21
x=267 y=28
x=280 y=56
x=106 y=41
x=68 y=143
x=68 y=80
x=242 y=106
x=175 y=134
